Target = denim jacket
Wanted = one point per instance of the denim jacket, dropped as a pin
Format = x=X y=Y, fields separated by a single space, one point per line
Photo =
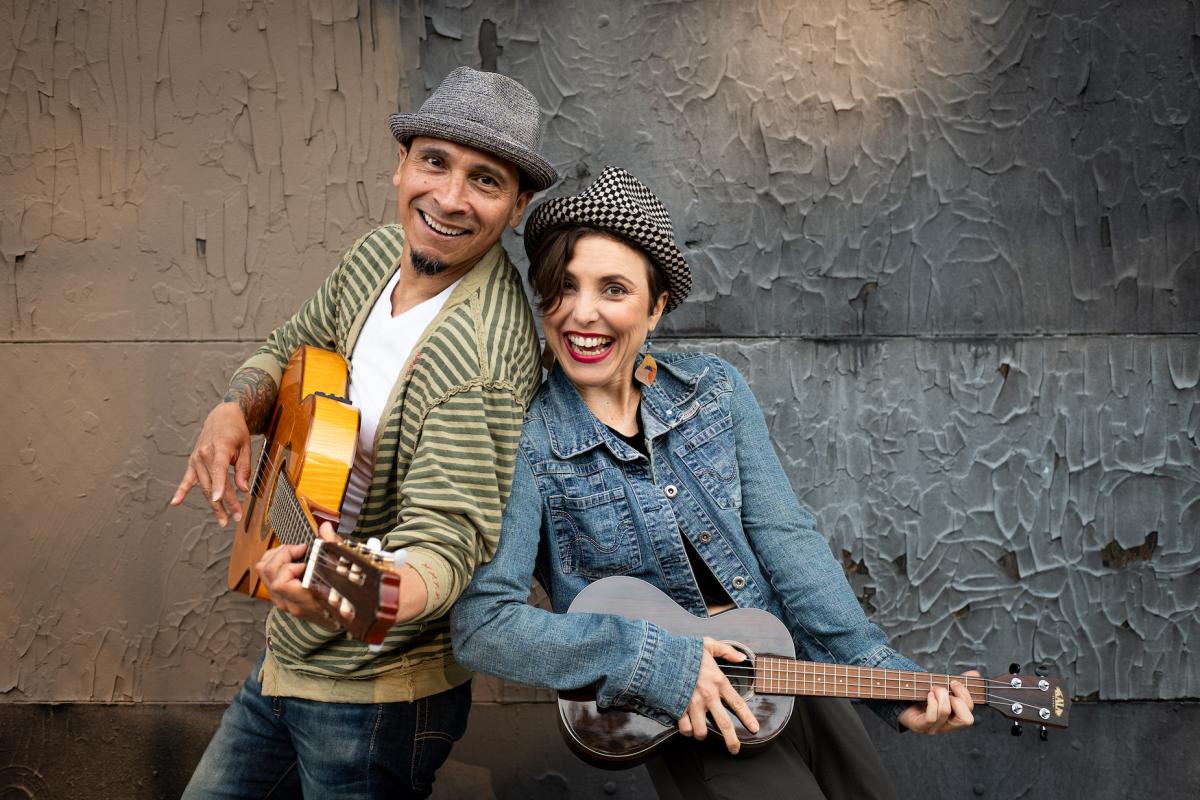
x=586 y=505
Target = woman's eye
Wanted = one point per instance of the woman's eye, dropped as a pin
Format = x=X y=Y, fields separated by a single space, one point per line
x=615 y=289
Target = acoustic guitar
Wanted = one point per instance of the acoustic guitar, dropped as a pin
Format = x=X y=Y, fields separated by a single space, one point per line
x=768 y=679
x=300 y=481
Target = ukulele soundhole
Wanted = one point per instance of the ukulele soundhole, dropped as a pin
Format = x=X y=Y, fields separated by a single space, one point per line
x=740 y=675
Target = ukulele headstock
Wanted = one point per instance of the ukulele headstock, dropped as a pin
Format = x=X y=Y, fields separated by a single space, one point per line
x=1039 y=699
x=359 y=584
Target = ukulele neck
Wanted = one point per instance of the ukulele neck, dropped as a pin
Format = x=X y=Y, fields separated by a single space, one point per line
x=778 y=675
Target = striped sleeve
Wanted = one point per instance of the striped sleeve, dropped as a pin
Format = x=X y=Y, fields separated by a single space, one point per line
x=452 y=498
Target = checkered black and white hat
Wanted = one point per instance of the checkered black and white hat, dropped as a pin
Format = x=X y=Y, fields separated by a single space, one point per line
x=619 y=203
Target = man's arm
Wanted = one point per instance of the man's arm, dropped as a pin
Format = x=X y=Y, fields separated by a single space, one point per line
x=224 y=440
x=454 y=493
x=254 y=392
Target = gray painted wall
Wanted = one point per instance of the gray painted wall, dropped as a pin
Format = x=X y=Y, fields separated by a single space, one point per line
x=953 y=246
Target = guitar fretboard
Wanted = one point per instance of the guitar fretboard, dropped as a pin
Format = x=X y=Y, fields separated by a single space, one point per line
x=285 y=516
x=779 y=675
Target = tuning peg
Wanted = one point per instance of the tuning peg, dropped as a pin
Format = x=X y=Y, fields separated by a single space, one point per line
x=1014 y=668
x=399 y=557
x=374 y=545
x=1015 y=730
x=1044 y=734
x=1042 y=669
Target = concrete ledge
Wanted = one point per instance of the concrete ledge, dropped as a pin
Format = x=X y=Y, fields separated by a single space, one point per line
x=1113 y=750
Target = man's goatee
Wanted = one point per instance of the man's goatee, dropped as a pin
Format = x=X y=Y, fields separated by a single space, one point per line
x=424 y=265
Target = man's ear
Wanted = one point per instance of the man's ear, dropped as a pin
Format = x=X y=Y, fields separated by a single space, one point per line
x=399 y=164
x=519 y=207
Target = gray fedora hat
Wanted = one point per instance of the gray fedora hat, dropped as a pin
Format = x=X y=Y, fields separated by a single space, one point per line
x=487 y=111
x=620 y=203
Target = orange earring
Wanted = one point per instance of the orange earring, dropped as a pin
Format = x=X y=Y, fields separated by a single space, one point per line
x=646 y=371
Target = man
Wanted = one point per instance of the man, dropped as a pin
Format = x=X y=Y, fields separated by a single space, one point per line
x=443 y=354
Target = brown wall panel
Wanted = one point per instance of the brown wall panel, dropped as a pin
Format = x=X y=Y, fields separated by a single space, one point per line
x=187 y=171
x=954 y=248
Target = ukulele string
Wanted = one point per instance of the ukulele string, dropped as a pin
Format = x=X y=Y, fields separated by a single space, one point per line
x=788 y=674
x=857 y=684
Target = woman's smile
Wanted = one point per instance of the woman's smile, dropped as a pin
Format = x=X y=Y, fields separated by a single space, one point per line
x=588 y=348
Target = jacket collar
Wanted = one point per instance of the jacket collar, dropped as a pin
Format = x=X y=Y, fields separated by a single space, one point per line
x=574 y=429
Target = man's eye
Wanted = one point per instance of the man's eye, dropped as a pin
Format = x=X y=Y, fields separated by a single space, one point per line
x=488 y=180
x=433 y=161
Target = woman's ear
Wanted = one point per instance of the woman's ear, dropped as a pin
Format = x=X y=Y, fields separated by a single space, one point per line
x=657 y=311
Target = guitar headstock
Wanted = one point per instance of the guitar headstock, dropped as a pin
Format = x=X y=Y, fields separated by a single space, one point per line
x=359 y=584
x=1038 y=699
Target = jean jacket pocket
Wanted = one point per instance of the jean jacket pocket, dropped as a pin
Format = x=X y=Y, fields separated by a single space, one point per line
x=711 y=456
x=595 y=534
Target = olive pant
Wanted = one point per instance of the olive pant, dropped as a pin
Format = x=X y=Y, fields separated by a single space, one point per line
x=823 y=753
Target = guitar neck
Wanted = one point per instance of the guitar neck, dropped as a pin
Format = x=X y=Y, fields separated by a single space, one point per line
x=286 y=514
x=779 y=675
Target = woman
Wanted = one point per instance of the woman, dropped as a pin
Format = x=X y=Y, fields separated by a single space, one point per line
x=659 y=466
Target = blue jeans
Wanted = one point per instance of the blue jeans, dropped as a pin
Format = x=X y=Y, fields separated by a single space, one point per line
x=283 y=747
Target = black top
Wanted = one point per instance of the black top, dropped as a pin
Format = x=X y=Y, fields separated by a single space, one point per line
x=710 y=588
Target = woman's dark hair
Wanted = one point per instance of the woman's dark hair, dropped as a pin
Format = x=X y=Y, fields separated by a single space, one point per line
x=548 y=266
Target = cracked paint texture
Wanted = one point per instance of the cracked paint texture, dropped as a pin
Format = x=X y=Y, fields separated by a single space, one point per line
x=182 y=170
x=952 y=246
x=841 y=167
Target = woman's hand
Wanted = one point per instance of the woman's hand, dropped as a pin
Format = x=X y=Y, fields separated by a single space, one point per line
x=942 y=711
x=713 y=694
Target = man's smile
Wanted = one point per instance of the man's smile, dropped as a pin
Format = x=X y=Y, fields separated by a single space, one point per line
x=439 y=228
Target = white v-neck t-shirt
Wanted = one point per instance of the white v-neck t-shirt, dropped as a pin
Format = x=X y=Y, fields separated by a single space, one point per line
x=381 y=351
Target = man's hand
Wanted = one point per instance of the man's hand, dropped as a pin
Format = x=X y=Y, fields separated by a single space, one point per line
x=281 y=569
x=713 y=694
x=942 y=711
x=224 y=442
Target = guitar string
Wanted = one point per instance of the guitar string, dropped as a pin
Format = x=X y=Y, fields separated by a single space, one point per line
x=382 y=566
x=295 y=531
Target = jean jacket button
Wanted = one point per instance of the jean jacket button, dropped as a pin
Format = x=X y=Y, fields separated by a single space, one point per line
x=705 y=537
x=670 y=491
x=739 y=582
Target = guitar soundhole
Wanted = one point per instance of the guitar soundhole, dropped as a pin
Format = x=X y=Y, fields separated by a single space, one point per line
x=740 y=675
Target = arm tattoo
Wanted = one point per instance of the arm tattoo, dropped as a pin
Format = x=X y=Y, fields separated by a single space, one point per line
x=254 y=391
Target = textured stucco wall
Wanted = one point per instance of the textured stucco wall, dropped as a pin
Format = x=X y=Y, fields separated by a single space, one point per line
x=177 y=178
x=952 y=245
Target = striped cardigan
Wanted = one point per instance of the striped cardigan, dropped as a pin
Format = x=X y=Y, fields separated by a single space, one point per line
x=444 y=456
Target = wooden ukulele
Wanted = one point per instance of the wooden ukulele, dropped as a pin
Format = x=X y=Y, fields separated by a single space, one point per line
x=299 y=482
x=768 y=679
